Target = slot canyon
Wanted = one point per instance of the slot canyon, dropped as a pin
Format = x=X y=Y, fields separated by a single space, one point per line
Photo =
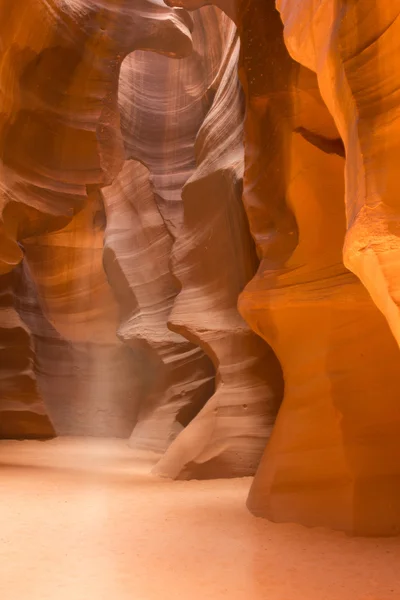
x=199 y=299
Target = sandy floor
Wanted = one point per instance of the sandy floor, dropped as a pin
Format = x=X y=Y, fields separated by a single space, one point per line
x=83 y=521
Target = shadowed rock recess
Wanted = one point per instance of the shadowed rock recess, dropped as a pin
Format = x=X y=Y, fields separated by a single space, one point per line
x=200 y=242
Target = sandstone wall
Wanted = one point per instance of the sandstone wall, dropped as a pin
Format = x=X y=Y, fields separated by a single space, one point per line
x=185 y=242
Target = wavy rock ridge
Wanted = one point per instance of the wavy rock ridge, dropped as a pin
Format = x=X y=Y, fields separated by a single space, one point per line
x=228 y=435
x=147 y=200
x=141 y=229
x=60 y=142
x=179 y=376
x=335 y=436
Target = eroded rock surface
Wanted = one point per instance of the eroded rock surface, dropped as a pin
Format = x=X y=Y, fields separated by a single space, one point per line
x=145 y=201
x=22 y=411
x=178 y=376
x=354 y=52
x=163 y=104
x=318 y=149
x=59 y=126
x=60 y=141
x=213 y=258
x=334 y=438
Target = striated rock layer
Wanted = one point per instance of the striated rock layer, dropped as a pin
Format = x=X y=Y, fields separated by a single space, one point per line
x=333 y=457
x=229 y=434
x=213 y=258
x=163 y=104
x=145 y=213
x=178 y=375
x=60 y=141
x=90 y=382
x=59 y=125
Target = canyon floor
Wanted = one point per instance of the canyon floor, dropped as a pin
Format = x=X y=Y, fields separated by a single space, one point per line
x=84 y=520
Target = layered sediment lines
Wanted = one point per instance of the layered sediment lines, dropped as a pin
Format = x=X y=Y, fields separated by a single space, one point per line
x=170 y=121
x=162 y=104
x=178 y=376
x=90 y=382
x=60 y=142
x=59 y=126
x=213 y=258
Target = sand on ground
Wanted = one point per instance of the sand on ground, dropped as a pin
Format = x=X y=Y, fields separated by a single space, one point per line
x=85 y=520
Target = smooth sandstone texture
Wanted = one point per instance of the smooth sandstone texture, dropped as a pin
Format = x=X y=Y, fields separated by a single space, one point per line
x=162 y=104
x=178 y=376
x=229 y=434
x=59 y=127
x=60 y=141
x=333 y=458
x=354 y=52
x=203 y=84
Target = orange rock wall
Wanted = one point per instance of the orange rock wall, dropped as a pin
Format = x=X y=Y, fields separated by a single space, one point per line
x=334 y=454
x=320 y=142
x=189 y=235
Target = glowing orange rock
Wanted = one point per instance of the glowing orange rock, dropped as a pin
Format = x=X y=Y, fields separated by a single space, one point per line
x=333 y=458
x=334 y=455
x=354 y=47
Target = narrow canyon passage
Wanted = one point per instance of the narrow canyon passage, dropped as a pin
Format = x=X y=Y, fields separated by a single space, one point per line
x=81 y=519
x=199 y=300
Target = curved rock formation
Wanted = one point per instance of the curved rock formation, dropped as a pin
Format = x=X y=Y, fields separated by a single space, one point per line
x=214 y=258
x=205 y=79
x=60 y=140
x=144 y=214
x=354 y=53
x=59 y=126
x=136 y=257
x=333 y=457
x=163 y=104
